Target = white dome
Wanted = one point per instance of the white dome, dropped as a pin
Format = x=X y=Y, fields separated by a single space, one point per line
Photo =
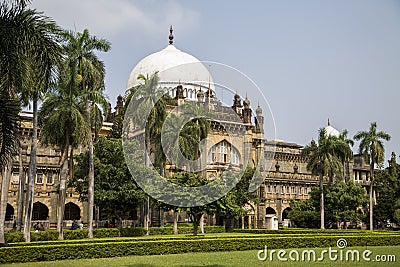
x=174 y=67
x=330 y=131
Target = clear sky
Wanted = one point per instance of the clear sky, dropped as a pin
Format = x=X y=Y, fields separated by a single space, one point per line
x=313 y=60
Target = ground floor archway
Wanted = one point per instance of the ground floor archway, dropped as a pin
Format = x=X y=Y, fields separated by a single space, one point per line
x=40 y=211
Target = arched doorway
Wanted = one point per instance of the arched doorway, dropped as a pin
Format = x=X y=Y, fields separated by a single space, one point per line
x=285 y=213
x=270 y=210
x=72 y=211
x=9 y=213
x=40 y=211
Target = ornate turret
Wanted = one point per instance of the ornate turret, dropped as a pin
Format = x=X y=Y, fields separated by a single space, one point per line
x=120 y=105
x=259 y=120
x=247 y=113
x=237 y=105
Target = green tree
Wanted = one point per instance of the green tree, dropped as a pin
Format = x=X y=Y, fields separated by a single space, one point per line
x=387 y=191
x=346 y=154
x=231 y=205
x=345 y=203
x=304 y=213
x=28 y=56
x=116 y=192
x=80 y=49
x=63 y=124
x=371 y=146
x=148 y=101
x=323 y=160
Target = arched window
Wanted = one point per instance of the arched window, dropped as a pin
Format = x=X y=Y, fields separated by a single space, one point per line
x=211 y=155
x=223 y=151
x=234 y=156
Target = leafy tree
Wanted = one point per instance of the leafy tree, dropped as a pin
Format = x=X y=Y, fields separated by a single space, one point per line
x=304 y=213
x=323 y=160
x=189 y=179
x=231 y=205
x=116 y=192
x=371 y=146
x=345 y=202
x=388 y=191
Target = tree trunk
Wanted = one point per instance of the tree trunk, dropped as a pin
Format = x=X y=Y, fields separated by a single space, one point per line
x=5 y=184
x=20 y=199
x=147 y=163
x=322 y=205
x=61 y=199
x=91 y=175
x=62 y=189
x=195 y=219
x=176 y=216
x=31 y=177
x=371 y=193
x=202 y=224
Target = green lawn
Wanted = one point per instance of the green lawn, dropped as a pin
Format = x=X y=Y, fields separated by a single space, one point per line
x=220 y=259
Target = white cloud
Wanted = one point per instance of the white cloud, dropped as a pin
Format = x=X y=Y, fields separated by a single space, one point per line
x=107 y=18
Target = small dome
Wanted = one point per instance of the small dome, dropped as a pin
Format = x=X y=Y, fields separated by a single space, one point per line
x=330 y=131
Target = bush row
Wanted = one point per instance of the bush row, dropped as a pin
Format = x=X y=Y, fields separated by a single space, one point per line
x=139 y=247
x=51 y=235
x=310 y=231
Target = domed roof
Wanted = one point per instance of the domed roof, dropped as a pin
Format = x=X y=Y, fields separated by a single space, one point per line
x=330 y=131
x=173 y=67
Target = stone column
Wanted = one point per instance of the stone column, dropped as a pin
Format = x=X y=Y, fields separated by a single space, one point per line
x=279 y=210
x=261 y=216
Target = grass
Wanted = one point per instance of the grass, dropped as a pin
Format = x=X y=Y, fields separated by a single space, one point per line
x=220 y=259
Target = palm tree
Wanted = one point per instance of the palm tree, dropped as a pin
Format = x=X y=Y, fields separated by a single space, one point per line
x=371 y=146
x=148 y=101
x=80 y=49
x=63 y=123
x=200 y=116
x=323 y=160
x=347 y=154
x=28 y=56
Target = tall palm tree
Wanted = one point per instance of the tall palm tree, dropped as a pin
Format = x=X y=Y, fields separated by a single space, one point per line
x=148 y=101
x=63 y=122
x=80 y=49
x=323 y=160
x=371 y=146
x=28 y=56
x=200 y=116
x=347 y=154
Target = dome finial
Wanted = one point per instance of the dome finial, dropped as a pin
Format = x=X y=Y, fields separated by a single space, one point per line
x=171 y=36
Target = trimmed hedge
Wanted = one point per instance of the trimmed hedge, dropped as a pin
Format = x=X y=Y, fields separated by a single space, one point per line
x=309 y=231
x=141 y=247
x=51 y=235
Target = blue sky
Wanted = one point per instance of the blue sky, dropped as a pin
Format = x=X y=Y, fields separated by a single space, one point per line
x=313 y=60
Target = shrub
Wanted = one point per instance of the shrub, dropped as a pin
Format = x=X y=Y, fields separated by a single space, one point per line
x=181 y=245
